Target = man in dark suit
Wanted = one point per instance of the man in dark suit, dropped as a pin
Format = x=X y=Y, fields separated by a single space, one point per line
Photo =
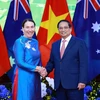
x=70 y=68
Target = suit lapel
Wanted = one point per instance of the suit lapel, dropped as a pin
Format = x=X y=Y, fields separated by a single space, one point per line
x=58 y=49
x=70 y=44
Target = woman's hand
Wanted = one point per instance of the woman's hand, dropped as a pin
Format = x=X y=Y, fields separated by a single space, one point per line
x=38 y=69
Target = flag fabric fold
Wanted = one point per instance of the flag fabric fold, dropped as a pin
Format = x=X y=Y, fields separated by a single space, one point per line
x=86 y=23
x=54 y=11
x=4 y=58
x=19 y=10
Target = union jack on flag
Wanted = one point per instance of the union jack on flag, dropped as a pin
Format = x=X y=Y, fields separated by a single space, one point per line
x=86 y=23
x=94 y=3
x=18 y=11
x=24 y=5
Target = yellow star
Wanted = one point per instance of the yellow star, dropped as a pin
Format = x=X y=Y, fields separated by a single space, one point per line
x=51 y=23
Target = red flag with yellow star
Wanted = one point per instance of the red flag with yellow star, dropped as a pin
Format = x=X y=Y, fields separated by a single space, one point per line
x=4 y=59
x=54 y=11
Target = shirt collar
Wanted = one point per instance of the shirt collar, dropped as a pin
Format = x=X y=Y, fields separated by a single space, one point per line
x=67 y=39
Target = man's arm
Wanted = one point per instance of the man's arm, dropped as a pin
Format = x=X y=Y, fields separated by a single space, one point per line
x=83 y=58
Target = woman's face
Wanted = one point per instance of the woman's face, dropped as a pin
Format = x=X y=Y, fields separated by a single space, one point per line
x=28 y=29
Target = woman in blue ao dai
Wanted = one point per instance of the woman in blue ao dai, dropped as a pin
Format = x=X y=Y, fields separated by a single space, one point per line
x=27 y=84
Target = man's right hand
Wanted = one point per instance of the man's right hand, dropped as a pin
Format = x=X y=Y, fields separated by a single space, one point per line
x=43 y=72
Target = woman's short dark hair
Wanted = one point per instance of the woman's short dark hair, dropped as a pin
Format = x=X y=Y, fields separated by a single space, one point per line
x=30 y=20
x=69 y=24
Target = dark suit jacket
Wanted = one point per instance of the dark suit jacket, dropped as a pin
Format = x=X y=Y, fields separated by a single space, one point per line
x=72 y=68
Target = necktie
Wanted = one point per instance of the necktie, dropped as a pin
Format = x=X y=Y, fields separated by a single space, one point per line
x=62 y=48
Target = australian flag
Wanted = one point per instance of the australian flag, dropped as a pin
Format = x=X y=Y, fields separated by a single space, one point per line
x=18 y=11
x=86 y=23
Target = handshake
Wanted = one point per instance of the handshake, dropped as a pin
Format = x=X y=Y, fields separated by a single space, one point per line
x=42 y=71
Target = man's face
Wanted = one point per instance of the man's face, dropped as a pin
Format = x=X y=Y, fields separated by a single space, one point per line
x=64 y=29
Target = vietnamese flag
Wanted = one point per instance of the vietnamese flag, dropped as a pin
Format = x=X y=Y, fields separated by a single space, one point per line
x=54 y=11
x=4 y=59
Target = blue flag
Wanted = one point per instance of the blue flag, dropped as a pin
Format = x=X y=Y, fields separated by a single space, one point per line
x=18 y=11
x=86 y=23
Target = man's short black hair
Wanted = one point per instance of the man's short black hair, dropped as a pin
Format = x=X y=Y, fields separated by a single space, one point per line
x=69 y=24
